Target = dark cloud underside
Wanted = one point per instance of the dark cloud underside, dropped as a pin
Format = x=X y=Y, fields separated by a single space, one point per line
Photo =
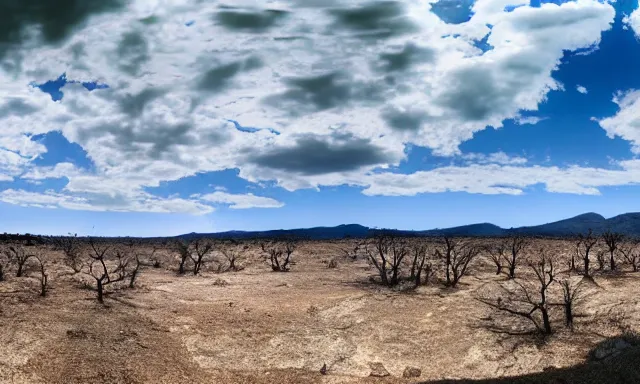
x=312 y=155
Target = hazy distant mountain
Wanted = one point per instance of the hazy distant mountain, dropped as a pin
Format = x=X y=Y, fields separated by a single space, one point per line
x=566 y=227
x=628 y=224
x=317 y=233
x=483 y=229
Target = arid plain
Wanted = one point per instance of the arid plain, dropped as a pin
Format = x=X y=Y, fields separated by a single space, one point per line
x=251 y=324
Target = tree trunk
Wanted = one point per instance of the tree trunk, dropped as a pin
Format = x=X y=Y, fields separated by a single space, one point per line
x=133 y=278
x=182 y=262
x=19 y=273
x=448 y=268
x=100 y=292
x=545 y=321
x=613 y=262
x=573 y=263
x=568 y=314
x=43 y=286
x=586 y=266
x=498 y=269
x=512 y=270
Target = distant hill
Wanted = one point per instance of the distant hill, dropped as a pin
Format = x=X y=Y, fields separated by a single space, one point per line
x=628 y=224
x=483 y=229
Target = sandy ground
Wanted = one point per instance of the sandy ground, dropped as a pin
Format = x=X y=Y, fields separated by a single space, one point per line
x=258 y=326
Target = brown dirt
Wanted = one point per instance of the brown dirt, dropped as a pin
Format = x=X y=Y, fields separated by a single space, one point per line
x=267 y=327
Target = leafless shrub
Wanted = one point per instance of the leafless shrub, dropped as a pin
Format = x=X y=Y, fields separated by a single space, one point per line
x=16 y=254
x=528 y=300
x=631 y=254
x=44 y=277
x=612 y=240
x=420 y=264
x=515 y=245
x=601 y=258
x=456 y=255
x=201 y=248
x=71 y=248
x=584 y=246
x=232 y=255
x=497 y=253
x=279 y=253
x=184 y=251
x=386 y=252
x=107 y=266
x=333 y=263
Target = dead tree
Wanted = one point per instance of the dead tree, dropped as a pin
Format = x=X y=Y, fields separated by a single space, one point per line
x=585 y=244
x=528 y=301
x=457 y=256
x=516 y=244
x=44 y=277
x=70 y=246
x=201 y=248
x=17 y=254
x=386 y=253
x=279 y=253
x=184 y=250
x=106 y=271
x=420 y=264
x=232 y=254
x=497 y=254
x=601 y=258
x=631 y=254
x=612 y=240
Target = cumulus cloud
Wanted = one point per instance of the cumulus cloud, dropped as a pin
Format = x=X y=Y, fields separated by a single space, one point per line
x=346 y=84
x=88 y=202
x=581 y=89
x=503 y=179
x=493 y=158
x=626 y=122
x=241 y=201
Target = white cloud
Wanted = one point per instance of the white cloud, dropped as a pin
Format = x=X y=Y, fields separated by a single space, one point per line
x=494 y=158
x=140 y=203
x=529 y=120
x=309 y=70
x=633 y=20
x=582 y=89
x=504 y=179
x=241 y=201
x=625 y=123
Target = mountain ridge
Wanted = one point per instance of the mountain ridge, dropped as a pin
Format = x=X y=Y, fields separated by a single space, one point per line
x=626 y=223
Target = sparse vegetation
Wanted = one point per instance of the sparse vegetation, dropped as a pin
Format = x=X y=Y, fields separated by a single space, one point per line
x=456 y=255
x=386 y=253
x=279 y=253
x=528 y=300
x=584 y=246
x=612 y=240
x=522 y=295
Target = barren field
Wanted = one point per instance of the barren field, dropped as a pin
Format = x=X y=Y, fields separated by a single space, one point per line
x=260 y=326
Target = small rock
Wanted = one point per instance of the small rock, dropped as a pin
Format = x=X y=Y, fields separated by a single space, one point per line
x=378 y=370
x=410 y=372
x=323 y=370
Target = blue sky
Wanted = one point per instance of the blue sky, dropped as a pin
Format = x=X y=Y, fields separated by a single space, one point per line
x=466 y=112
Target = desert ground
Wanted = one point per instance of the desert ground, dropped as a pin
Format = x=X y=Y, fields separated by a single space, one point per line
x=256 y=325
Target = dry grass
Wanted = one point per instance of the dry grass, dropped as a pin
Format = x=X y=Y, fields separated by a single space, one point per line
x=267 y=327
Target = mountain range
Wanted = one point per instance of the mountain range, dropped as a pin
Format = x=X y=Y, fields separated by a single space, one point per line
x=628 y=224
